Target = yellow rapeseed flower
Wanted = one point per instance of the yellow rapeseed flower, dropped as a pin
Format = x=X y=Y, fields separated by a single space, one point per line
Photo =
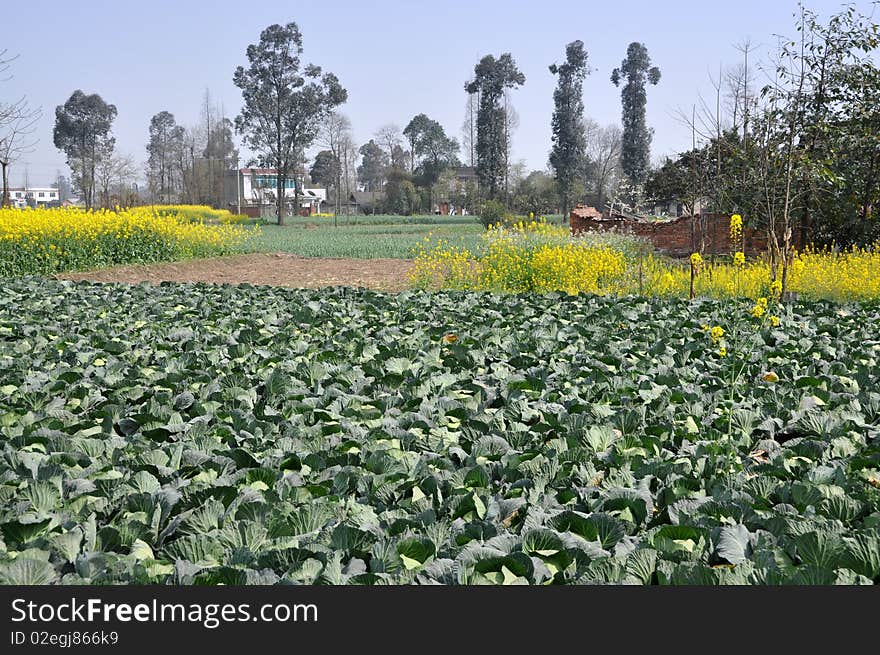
x=736 y=224
x=49 y=240
x=533 y=255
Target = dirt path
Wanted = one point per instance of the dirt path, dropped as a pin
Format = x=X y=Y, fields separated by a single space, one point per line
x=261 y=268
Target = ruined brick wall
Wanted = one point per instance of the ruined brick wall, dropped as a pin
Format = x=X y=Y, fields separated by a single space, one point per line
x=677 y=237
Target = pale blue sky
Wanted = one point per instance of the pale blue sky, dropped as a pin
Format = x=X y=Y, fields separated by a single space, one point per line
x=396 y=58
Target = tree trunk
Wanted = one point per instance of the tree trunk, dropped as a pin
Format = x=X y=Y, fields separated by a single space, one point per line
x=5 y=165
x=279 y=196
x=869 y=185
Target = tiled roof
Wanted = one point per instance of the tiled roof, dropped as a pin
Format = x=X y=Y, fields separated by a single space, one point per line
x=583 y=211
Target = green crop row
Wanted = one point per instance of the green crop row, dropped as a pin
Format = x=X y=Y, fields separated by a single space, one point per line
x=187 y=434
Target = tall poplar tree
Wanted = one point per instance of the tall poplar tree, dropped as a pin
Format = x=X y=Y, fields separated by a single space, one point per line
x=491 y=77
x=569 y=140
x=637 y=70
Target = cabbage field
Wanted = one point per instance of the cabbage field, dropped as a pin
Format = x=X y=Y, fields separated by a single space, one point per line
x=196 y=434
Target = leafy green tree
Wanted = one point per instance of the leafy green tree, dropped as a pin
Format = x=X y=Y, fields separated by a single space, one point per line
x=494 y=212
x=166 y=138
x=830 y=89
x=536 y=194
x=374 y=166
x=401 y=195
x=491 y=77
x=413 y=131
x=285 y=103
x=569 y=140
x=82 y=132
x=325 y=169
x=637 y=70
x=430 y=144
x=809 y=165
x=685 y=178
x=432 y=149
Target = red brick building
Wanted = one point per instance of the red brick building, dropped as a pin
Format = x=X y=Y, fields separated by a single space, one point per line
x=677 y=237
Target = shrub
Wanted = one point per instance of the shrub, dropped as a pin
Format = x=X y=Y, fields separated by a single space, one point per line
x=494 y=213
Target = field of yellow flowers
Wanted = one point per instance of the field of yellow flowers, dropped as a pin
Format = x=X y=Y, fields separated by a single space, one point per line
x=539 y=257
x=47 y=241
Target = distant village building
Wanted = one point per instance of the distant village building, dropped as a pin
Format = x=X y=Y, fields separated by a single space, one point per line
x=357 y=202
x=466 y=174
x=21 y=197
x=252 y=191
x=672 y=208
x=453 y=200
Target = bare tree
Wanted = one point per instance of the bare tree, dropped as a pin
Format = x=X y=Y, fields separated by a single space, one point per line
x=740 y=93
x=389 y=137
x=335 y=134
x=469 y=128
x=16 y=139
x=604 y=146
x=17 y=125
x=780 y=157
x=216 y=153
x=349 y=155
x=710 y=125
x=115 y=174
x=511 y=122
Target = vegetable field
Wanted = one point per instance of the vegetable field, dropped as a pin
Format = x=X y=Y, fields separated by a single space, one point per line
x=190 y=434
x=362 y=240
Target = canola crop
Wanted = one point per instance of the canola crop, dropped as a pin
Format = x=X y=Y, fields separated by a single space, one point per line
x=538 y=257
x=48 y=241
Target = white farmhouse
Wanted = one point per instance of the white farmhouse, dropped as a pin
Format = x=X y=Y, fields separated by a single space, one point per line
x=33 y=196
x=252 y=191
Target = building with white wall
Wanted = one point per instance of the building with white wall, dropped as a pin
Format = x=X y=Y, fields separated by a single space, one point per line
x=33 y=196
x=254 y=190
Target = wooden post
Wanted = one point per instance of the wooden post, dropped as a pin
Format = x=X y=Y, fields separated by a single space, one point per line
x=693 y=275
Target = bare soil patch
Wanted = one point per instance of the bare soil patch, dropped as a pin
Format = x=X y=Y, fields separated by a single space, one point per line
x=279 y=269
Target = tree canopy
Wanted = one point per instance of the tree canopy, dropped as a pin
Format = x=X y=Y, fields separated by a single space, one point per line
x=636 y=69
x=284 y=103
x=569 y=140
x=325 y=168
x=374 y=165
x=82 y=132
x=491 y=77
